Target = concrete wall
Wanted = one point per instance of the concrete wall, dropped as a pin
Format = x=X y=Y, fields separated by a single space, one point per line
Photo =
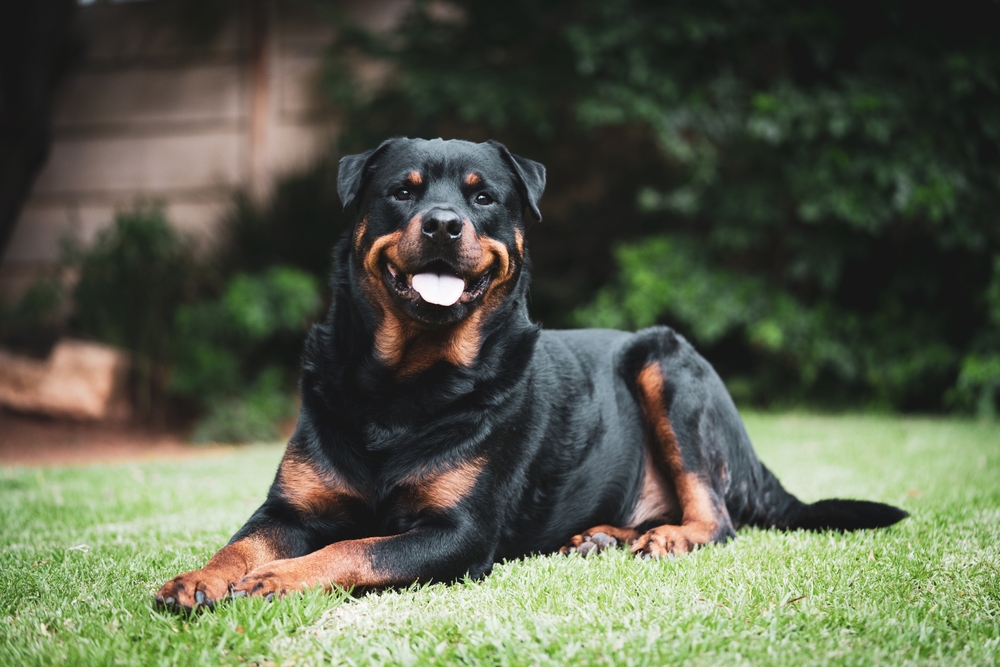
x=145 y=117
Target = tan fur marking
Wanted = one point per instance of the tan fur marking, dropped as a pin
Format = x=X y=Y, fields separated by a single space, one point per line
x=380 y=246
x=414 y=177
x=359 y=233
x=519 y=241
x=226 y=567
x=404 y=345
x=238 y=558
x=346 y=564
x=443 y=490
x=699 y=523
x=311 y=491
x=651 y=396
x=460 y=345
x=657 y=499
x=392 y=334
x=473 y=179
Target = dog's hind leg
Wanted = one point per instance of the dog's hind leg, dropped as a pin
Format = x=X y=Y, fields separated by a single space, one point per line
x=685 y=459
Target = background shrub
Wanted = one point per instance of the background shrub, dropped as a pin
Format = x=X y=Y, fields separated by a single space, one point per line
x=238 y=355
x=808 y=191
x=233 y=357
x=131 y=281
x=33 y=323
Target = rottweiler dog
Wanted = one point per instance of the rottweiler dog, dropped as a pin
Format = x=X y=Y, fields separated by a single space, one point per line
x=442 y=431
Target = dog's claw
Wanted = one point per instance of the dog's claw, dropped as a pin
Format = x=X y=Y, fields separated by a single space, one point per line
x=269 y=597
x=238 y=594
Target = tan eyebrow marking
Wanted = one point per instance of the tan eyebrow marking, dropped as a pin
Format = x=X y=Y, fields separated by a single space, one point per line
x=473 y=179
x=414 y=177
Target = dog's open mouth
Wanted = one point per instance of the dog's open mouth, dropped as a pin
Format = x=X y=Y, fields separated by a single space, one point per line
x=437 y=283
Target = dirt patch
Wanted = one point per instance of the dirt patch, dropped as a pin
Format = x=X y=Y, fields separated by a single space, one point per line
x=41 y=442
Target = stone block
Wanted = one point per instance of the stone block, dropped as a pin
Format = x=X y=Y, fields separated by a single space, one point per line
x=79 y=380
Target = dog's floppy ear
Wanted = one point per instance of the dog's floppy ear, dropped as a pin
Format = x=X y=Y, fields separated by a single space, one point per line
x=530 y=174
x=354 y=171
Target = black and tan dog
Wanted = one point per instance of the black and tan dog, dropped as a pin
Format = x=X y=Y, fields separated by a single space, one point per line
x=442 y=431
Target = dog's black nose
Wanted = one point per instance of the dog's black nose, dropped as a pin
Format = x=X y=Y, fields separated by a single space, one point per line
x=442 y=226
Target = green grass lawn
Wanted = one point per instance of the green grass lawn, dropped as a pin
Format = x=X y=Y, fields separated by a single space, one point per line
x=83 y=549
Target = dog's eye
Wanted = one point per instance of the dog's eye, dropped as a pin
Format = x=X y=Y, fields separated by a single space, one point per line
x=403 y=194
x=483 y=199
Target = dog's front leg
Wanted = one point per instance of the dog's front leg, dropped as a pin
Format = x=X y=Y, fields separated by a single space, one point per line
x=260 y=541
x=422 y=554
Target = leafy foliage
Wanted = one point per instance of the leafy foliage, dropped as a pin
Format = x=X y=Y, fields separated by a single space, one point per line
x=132 y=279
x=298 y=227
x=232 y=357
x=32 y=324
x=822 y=196
x=232 y=353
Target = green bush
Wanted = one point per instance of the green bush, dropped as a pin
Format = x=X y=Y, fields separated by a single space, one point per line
x=253 y=417
x=298 y=227
x=33 y=323
x=230 y=353
x=138 y=289
x=821 y=211
x=131 y=280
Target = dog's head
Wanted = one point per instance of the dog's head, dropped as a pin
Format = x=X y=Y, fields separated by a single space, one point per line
x=439 y=237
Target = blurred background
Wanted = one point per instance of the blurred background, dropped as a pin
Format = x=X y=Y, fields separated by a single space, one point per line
x=809 y=191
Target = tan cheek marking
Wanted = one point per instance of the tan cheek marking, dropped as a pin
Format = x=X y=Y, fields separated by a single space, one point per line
x=519 y=242
x=473 y=179
x=392 y=334
x=461 y=345
x=310 y=491
x=462 y=348
x=692 y=492
x=402 y=345
x=492 y=249
x=381 y=245
x=444 y=490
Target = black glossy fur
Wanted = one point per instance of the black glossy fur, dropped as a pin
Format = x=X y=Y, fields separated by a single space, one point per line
x=552 y=417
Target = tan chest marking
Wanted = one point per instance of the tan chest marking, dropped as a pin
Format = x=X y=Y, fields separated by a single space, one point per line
x=444 y=489
x=311 y=490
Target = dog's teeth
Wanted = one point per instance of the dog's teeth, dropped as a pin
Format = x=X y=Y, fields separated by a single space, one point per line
x=394 y=271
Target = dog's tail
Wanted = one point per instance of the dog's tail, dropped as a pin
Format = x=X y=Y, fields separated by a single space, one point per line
x=838 y=514
x=786 y=512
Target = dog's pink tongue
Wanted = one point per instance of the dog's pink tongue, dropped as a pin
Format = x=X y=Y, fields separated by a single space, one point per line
x=443 y=290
